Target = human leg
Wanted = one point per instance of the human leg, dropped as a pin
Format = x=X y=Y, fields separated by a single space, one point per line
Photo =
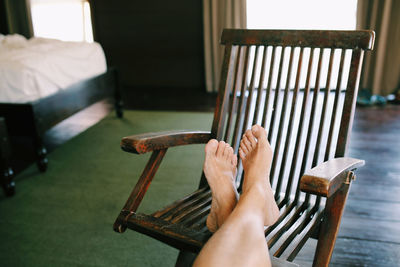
x=256 y=154
x=240 y=240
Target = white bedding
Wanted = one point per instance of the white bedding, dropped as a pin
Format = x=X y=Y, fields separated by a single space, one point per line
x=38 y=67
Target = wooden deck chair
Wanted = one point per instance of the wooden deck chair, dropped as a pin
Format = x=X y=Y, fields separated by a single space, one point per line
x=301 y=86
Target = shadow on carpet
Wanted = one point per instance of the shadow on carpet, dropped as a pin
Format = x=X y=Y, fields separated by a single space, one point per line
x=64 y=217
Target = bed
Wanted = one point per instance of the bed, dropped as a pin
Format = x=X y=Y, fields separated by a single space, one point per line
x=44 y=81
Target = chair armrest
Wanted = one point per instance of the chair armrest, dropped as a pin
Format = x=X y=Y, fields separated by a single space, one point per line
x=327 y=177
x=143 y=143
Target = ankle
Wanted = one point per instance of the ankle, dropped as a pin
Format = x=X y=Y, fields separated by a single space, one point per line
x=255 y=186
x=249 y=208
x=255 y=195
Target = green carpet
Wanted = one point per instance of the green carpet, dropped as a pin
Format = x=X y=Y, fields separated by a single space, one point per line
x=64 y=217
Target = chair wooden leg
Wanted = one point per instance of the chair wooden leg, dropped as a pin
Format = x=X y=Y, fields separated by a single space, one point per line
x=185 y=259
x=139 y=190
x=330 y=226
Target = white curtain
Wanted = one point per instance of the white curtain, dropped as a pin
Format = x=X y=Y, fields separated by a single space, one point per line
x=217 y=15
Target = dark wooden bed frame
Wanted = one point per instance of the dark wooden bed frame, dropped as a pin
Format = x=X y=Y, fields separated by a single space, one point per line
x=34 y=118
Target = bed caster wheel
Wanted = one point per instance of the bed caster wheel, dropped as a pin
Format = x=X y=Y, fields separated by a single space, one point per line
x=120 y=113
x=119 y=110
x=42 y=160
x=9 y=189
x=9 y=184
x=42 y=164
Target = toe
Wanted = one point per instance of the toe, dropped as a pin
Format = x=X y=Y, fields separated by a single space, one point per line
x=234 y=159
x=251 y=138
x=211 y=146
x=260 y=133
x=244 y=147
x=227 y=151
x=220 y=149
x=246 y=142
x=242 y=154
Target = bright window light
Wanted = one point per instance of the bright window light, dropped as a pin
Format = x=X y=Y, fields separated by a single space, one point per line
x=306 y=14
x=67 y=20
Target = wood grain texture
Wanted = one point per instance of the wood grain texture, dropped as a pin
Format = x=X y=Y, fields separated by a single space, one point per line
x=330 y=227
x=140 y=189
x=173 y=234
x=308 y=38
x=325 y=178
x=143 y=143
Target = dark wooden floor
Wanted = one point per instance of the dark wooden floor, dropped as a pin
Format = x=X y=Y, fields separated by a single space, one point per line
x=370 y=230
x=371 y=226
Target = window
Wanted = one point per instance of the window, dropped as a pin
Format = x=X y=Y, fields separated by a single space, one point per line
x=307 y=14
x=67 y=20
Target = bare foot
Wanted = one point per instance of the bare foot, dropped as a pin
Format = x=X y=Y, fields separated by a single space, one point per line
x=256 y=154
x=220 y=171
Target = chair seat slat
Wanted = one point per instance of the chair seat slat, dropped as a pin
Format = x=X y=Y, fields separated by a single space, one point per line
x=189 y=197
x=304 y=236
x=284 y=214
x=290 y=221
x=192 y=210
x=197 y=216
x=183 y=207
x=178 y=237
x=291 y=234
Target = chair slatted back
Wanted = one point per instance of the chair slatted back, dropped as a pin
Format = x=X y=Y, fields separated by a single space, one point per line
x=300 y=85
